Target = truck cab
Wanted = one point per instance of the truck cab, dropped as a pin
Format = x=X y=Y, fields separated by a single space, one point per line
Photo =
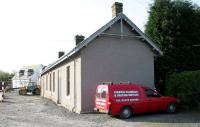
x=128 y=99
x=30 y=87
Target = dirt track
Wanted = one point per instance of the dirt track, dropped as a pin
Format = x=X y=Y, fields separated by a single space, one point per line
x=35 y=111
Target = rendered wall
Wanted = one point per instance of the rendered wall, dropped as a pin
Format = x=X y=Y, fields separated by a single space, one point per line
x=75 y=82
x=111 y=58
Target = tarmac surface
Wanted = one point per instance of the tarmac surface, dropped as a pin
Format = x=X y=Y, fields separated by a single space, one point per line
x=36 y=111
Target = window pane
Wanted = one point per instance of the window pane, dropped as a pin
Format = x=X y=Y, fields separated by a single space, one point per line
x=103 y=95
x=50 y=82
x=53 y=81
x=46 y=82
x=68 y=81
x=30 y=72
x=149 y=93
x=98 y=93
x=21 y=72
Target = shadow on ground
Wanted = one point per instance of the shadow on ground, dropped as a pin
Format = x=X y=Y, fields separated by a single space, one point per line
x=179 y=117
x=8 y=102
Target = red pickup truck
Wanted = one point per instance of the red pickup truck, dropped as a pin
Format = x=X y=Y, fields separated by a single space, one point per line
x=128 y=99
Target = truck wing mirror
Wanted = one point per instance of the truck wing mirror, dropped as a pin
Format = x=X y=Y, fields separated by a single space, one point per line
x=156 y=94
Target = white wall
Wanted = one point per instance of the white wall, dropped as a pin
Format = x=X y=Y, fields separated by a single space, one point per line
x=75 y=81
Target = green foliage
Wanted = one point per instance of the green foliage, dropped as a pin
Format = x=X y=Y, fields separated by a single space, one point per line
x=174 y=25
x=4 y=76
x=157 y=27
x=185 y=86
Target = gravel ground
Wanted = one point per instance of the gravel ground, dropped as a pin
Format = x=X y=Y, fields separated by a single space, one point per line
x=35 y=111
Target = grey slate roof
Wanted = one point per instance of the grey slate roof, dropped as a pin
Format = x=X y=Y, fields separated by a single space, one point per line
x=98 y=33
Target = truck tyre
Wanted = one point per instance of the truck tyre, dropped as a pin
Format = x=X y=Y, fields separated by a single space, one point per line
x=126 y=113
x=171 y=108
x=23 y=92
x=37 y=91
x=20 y=93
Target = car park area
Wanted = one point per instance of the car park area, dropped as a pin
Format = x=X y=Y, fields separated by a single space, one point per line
x=36 y=111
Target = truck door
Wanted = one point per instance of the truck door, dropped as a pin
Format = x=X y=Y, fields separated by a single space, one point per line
x=154 y=100
x=140 y=106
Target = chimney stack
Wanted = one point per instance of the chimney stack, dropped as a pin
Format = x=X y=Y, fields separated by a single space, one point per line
x=116 y=9
x=60 y=54
x=79 y=38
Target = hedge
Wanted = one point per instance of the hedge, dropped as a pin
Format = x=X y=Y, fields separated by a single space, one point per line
x=186 y=87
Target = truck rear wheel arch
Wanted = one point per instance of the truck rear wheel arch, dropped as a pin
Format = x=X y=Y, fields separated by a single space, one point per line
x=171 y=107
x=127 y=108
x=37 y=91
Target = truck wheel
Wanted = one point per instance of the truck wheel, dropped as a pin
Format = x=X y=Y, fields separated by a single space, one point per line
x=23 y=92
x=37 y=92
x=171 y=108
x=126 y=113
x=20 y=93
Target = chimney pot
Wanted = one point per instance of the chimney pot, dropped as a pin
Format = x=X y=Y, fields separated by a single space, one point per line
x=79 y=38
x=116 y=9
x=60 y=54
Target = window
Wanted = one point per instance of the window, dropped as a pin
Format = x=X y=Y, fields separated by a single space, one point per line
x=30 y=72
x=103 y=95
x=53 y=81
x=21 y=72
x=151 y=93
x=31 y=84
x=68 y=81
x=46 y=82
x=50 y=82
x=98 y=93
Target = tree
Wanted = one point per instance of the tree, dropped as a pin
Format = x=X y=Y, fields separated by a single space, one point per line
x=174 y=26
x=157 y=27
x=4 y=76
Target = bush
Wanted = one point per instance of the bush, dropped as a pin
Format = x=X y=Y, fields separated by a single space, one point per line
x=186 y=87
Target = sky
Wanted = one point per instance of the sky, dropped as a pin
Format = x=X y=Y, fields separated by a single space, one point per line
x=34 y=31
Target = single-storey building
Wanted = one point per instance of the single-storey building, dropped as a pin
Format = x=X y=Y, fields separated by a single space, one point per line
x=118 y=52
